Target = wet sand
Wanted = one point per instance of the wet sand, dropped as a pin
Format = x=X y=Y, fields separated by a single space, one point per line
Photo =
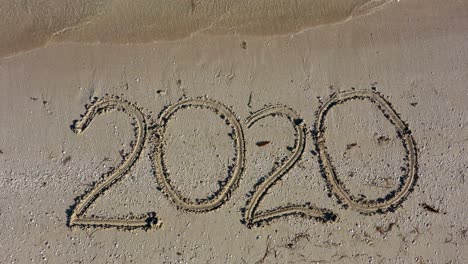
x=29 y=25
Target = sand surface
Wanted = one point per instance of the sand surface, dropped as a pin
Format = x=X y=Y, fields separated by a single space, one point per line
x=130 y=135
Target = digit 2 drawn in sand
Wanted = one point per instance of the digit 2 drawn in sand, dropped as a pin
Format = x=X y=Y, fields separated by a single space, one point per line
x=77 y=217
x=219 y=197
x=251 y=216
x=394 y=198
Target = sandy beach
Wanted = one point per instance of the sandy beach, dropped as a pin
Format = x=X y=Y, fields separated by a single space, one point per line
x=234 y=132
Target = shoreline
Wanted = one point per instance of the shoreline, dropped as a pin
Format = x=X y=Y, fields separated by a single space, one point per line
x=100 y=26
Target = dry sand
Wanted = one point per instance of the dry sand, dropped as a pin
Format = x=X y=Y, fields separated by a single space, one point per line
x=234 y=132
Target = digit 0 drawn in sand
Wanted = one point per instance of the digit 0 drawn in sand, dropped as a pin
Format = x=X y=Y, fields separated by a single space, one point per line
x=251 y=216
x=394 y=198
x=77 y=217
x=162 y=175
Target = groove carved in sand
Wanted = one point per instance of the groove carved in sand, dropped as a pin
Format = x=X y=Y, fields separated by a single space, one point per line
x=222 y=195
x=252 y=217
x=77 y=217
x=394 y=198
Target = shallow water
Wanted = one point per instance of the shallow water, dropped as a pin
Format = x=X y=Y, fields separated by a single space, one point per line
x=30 y=24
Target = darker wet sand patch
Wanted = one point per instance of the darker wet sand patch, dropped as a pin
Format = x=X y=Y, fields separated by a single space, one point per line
x=32 y=24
